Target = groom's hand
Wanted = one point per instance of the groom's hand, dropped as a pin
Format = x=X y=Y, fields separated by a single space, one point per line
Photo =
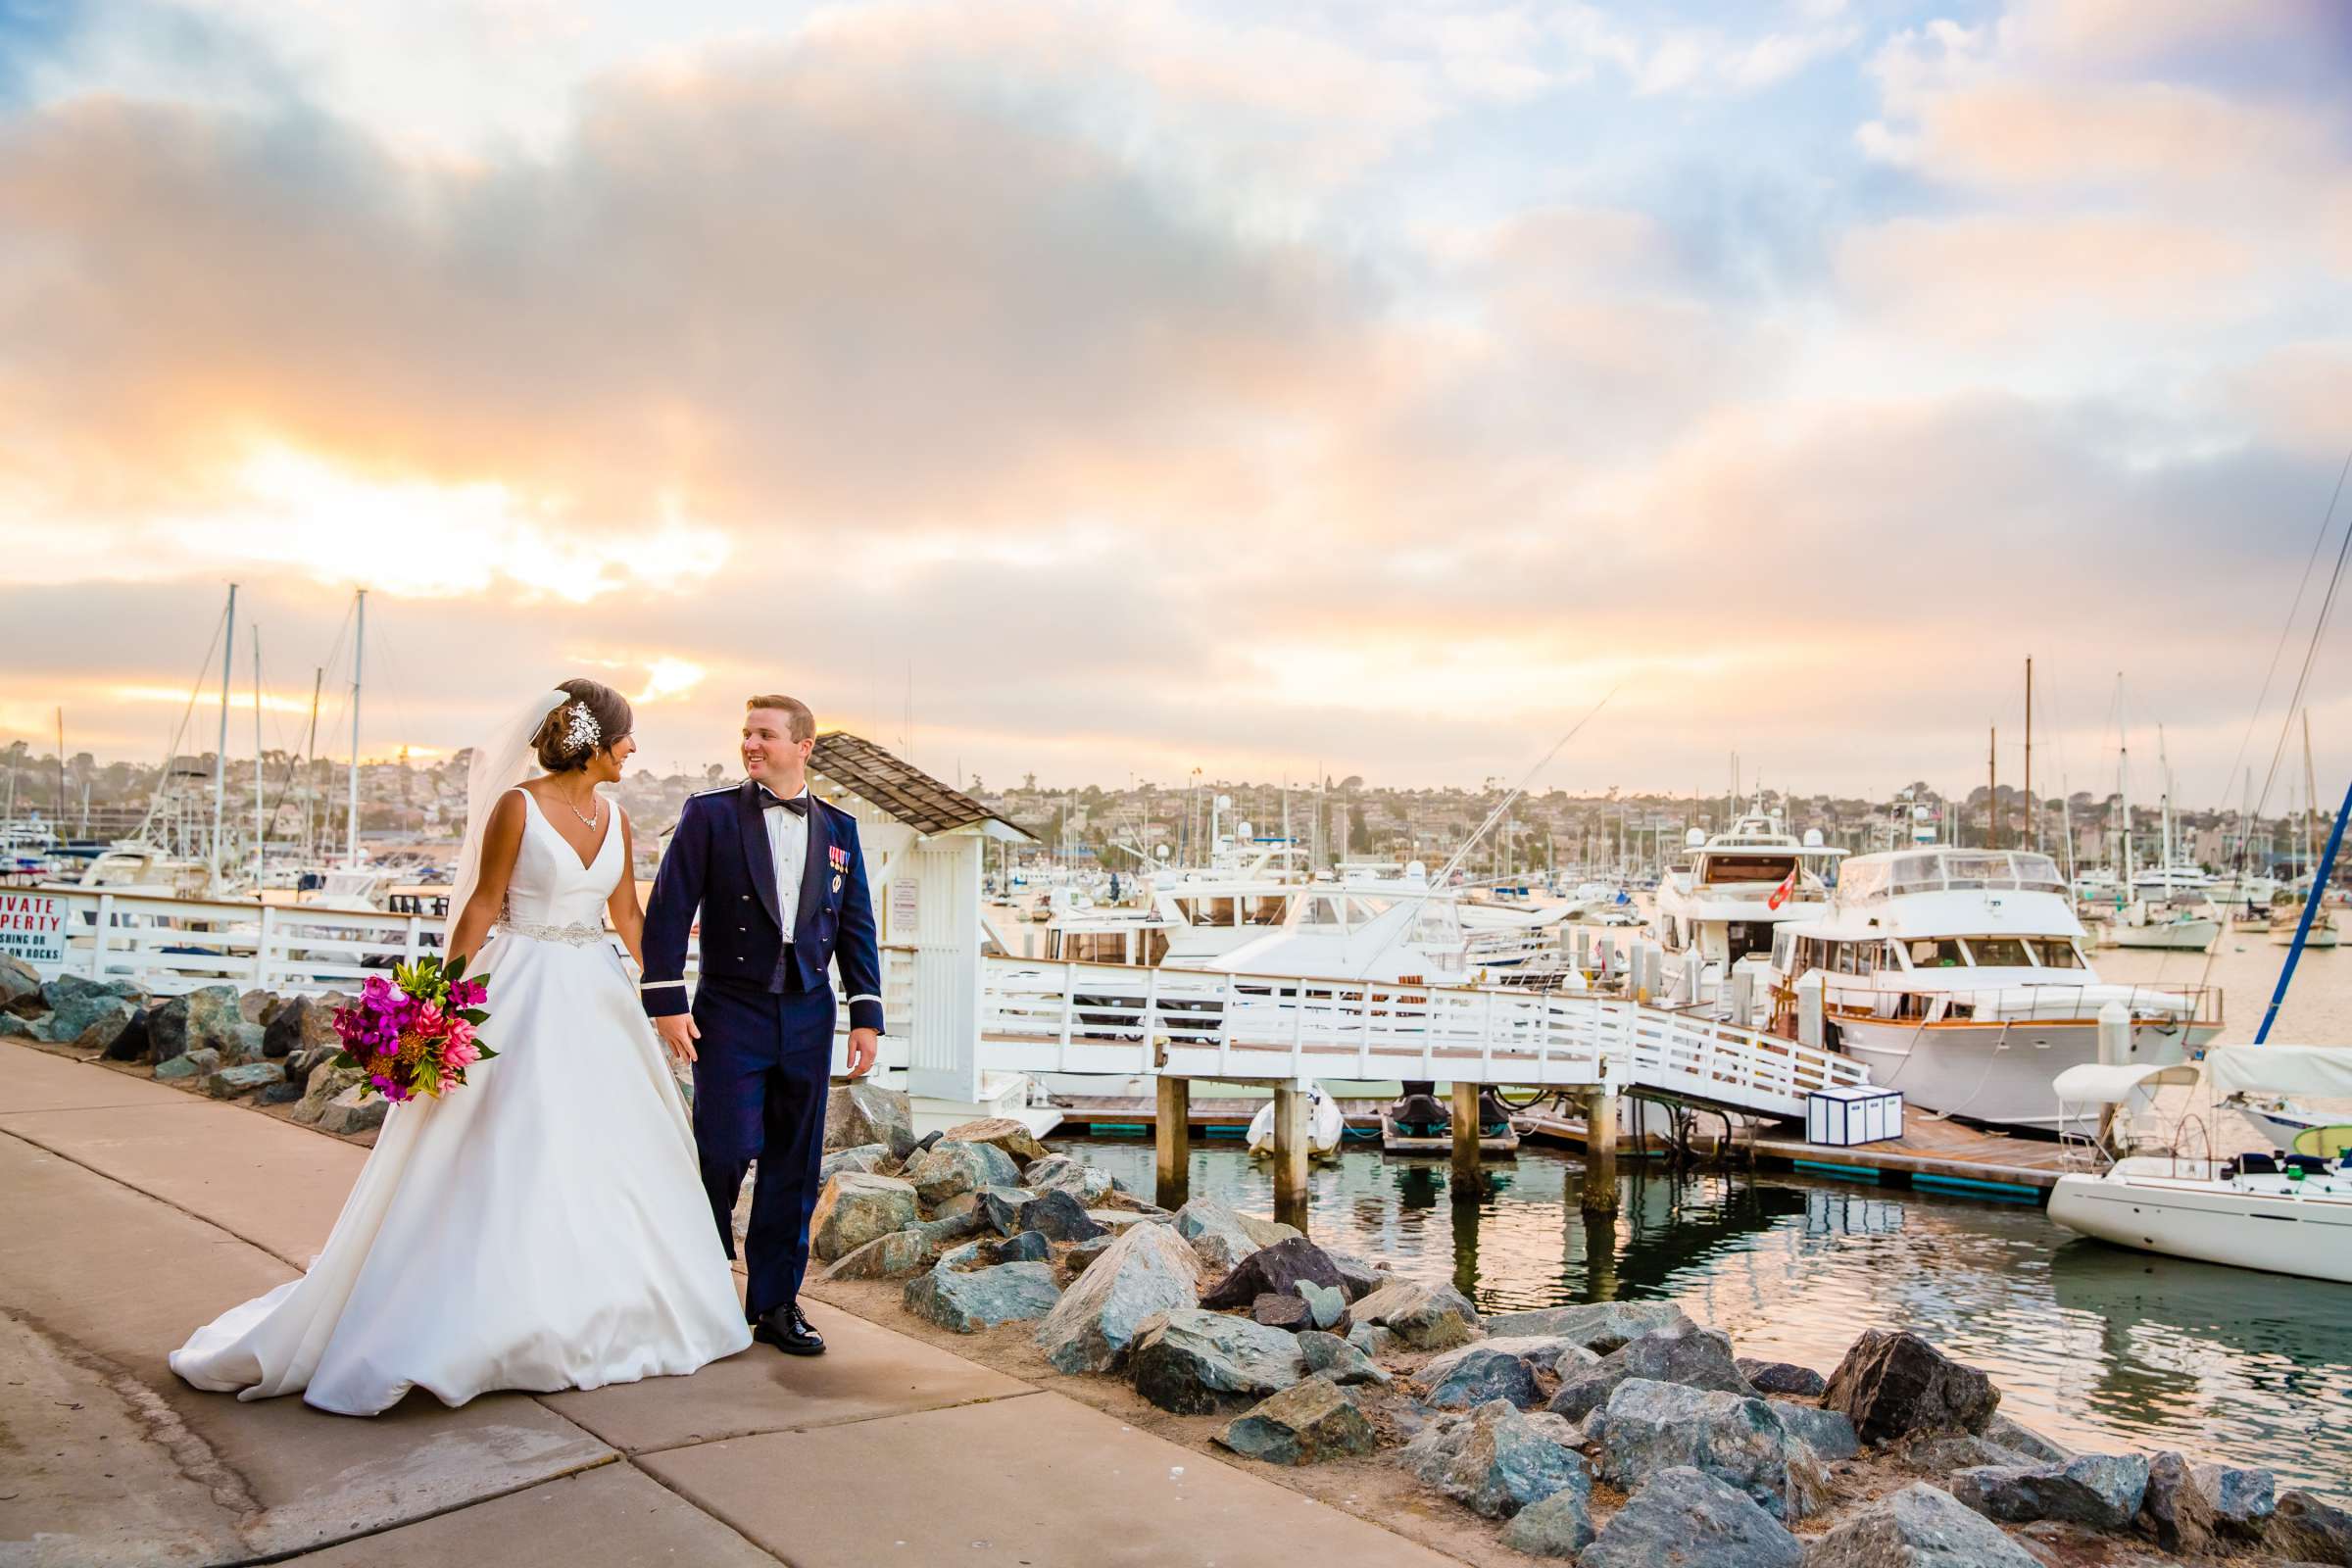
x=678 y=1033
x=864 y=1046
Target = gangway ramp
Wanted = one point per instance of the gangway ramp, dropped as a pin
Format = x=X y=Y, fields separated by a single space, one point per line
x=1068 y=1018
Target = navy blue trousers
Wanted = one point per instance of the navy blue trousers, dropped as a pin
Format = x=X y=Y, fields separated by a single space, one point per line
x=764 y=1067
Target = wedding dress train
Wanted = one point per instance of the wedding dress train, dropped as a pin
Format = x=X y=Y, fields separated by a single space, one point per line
x=543 y=1227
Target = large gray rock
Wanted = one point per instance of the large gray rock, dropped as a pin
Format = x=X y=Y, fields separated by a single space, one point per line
x=1650 y=1427
x=1358 y=1274
x=868 y=1159
x=196 y=1064
x=357 y=1109
x=1195 y=1362
x=1010 y=1293
x=1427 y=1317
x=89 y=1023
x=1918 y=1527
x=1336 y=1359
x=885 y=1257
x=2098 y=1491
x=1216 y=1232
x=1000 y=1207
x=324 y=1083
x=1272 y=1270
x=1059 y=1216
x=1475 y=1374
x=1682 y=1353
x=1311 y=1420
x=854 y=1208
x=2022 y=1439
x=1688 y=1519
x=1892 y=1385
x=1557 y=1526
x=864 y=1112
x=999 y=1132
x=2310 y=1529
x=1326 y=1306
x=1495 y=1460
x=302 y=1024
x=18 y=980
x=1059 y=1173
x=948 y=1168
x=206 y=1019
x=1827 y=1434
x=1147 y=1269
x=2243 y=1500
x=243 y=1078
x=938 y=1233
x=1601 y=1326
x=1768 y=1378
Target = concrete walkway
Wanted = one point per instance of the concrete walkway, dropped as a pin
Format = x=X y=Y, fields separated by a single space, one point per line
x=135 y=1212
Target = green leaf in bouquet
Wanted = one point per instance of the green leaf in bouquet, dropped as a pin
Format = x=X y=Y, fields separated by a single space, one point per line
x=456 y=970
x=482 y=1052
x=477 y=1016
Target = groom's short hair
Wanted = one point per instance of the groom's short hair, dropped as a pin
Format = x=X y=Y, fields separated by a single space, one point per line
x=799 y=722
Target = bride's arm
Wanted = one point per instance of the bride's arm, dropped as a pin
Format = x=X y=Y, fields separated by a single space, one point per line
x=499 y=841
x=628 y=916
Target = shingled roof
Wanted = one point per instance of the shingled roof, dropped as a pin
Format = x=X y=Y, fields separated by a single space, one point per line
x=902 y=789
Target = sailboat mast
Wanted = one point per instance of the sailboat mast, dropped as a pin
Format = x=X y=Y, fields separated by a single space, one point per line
x=309 y=747
x=1992 y=788
x=2122 y=779
x=228 y=654
x=257 y=828
x=358 y=649
x=2311 y=794
x=2032 y=818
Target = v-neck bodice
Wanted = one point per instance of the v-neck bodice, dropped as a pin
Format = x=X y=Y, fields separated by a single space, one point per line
x=550 y=886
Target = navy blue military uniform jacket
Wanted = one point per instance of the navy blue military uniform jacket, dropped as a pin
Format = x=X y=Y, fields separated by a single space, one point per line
x=719 y=852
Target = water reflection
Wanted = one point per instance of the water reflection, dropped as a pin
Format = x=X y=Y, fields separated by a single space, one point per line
x=2102 y=1347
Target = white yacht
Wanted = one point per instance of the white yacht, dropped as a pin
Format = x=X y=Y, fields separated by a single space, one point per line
x=2165 y=928
x=1720 y=901
x=1958 y=975
x=1406 y=931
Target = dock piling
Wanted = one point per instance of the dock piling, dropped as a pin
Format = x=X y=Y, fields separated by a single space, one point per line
x=1290 y=1156
x=1466 y=1169
x=1171 y=1143
x=1600 y=1195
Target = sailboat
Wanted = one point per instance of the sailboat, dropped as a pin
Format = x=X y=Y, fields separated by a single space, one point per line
x=2322 y=932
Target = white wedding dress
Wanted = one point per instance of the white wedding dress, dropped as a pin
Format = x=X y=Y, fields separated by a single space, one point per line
x=543 y=1227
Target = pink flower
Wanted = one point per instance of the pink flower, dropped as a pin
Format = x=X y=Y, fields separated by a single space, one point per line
x=460 y=1054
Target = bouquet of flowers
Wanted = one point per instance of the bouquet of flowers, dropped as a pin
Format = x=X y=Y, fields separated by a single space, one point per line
x=413 y=1034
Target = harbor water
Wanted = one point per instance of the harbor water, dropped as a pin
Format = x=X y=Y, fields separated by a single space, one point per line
x=2102 y=1349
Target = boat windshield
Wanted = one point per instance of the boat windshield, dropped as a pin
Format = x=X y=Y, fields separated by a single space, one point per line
x=2000 y=953
x=1723 y=869
x=1937 y=952
x=2056 y=952
x=1940 y=869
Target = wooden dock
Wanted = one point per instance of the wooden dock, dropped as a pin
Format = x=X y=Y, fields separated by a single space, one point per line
x=1935 y=1154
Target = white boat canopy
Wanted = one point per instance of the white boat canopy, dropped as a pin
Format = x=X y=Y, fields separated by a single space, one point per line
x=2096 y=1083
x=2325 y=1071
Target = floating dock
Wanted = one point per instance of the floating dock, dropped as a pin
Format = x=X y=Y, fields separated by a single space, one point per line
x=1936 y=1156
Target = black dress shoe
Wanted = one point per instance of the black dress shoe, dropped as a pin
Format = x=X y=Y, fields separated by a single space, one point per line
x=788 y=1330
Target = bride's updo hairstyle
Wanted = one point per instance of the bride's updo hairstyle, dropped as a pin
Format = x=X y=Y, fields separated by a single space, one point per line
x=596 y=718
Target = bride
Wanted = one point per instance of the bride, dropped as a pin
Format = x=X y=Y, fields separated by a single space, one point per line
x=542 y=1226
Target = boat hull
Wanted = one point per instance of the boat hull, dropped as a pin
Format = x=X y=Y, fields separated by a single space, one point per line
x=1991 y=1072
x=2174 y=935
x=1325 y=1127
x=2279 y=1235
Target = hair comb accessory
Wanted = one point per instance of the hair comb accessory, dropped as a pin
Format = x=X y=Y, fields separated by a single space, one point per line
x=584 y=731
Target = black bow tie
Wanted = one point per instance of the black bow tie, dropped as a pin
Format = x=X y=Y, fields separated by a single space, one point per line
x=798 y=806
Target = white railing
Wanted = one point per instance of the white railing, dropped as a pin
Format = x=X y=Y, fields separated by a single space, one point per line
x=168 y=945
x=1114 y=1018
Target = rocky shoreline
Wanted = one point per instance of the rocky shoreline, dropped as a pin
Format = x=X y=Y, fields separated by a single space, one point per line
x=1613 y=1435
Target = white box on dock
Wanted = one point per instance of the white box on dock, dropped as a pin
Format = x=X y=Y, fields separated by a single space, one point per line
x=1844 y=1118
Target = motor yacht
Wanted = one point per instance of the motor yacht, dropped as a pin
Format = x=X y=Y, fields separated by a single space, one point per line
x=1959 y=976
x=1720 y=901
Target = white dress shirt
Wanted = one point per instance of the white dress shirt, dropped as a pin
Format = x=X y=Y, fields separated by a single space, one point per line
x=788 y=845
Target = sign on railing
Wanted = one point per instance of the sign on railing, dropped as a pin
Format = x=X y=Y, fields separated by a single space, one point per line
x=32 y=927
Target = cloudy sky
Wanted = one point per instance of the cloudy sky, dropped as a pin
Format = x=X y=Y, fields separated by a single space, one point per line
x=1134 y=387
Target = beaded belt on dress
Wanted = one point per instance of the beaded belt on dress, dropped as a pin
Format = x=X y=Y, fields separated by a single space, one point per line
x=578 y=933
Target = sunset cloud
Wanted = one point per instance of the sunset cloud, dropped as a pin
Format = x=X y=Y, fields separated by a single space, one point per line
x=1182 y=384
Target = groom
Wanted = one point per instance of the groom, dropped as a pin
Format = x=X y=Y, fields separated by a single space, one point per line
x=774 y=875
